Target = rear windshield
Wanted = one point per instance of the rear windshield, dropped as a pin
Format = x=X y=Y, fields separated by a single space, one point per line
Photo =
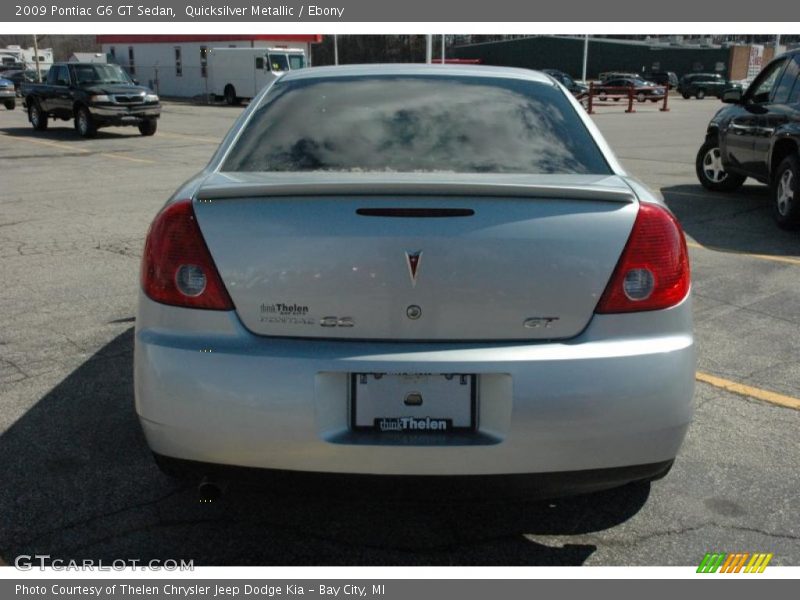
x=416 y=124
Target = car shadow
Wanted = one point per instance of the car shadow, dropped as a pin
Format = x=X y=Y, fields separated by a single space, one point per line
x=78 y=481
x=740 y=221
x=64 y=132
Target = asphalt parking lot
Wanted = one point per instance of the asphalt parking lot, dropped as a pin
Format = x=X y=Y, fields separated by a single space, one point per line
x=77 y=480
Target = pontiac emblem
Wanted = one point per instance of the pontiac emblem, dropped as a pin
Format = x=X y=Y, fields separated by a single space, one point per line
x=413 y=259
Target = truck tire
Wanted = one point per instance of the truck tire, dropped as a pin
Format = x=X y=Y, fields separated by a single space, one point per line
x=10 y=104
x=148 y=127
x=786 y=193
x=708 y=166
x=36 y=116
x=84 y=124
x=230 y=96
x=700 y=94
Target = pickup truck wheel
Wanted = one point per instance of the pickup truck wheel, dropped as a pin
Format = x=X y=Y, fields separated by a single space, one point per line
x=148 y=127
x=711 y=173
x=84 y=124
x=37 y=118
x=700 y=94
x=230 y=95
x=786 y=193
x=10 y=104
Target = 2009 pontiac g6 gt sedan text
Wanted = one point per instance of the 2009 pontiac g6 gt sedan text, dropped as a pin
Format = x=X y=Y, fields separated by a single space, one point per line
x=416 y=270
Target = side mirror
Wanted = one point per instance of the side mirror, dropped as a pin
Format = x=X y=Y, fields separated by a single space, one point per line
x=732 y=96
x=135 y=81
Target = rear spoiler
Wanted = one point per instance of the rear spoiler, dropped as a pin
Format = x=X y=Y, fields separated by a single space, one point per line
x=431 y=188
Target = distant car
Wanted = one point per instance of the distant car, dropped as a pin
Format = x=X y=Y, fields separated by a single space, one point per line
x=701 y=85
x=8 y=95
x=617 y=75
x=758 y=136
x=578 y=90
x=339 y=291
x=665 y=78
x=20 y=77
x=618 y=89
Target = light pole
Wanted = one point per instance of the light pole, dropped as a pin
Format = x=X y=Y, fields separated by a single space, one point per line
x=585 y=56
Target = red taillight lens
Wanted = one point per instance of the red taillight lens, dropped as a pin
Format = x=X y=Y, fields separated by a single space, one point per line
x=177 y=267
x=653 y=271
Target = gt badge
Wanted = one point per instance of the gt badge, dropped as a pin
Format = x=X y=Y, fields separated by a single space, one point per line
x=413 y=259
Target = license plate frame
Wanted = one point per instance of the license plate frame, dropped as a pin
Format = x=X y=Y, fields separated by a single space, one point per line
x=387 y=424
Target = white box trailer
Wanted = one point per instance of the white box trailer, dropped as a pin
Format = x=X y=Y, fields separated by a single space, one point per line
x=240 y=73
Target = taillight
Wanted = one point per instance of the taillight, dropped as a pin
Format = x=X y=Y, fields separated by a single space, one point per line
x=177 y=267
x=653 y=271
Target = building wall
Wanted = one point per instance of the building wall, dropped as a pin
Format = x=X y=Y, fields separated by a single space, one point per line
x=154 y=63
x=566 y=54
x=740 y=57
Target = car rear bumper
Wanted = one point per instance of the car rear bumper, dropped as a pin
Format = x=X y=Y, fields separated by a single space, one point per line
x=531 y=486
x=618 y=395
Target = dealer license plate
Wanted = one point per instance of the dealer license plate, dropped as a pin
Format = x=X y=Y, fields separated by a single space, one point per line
x=413 y=402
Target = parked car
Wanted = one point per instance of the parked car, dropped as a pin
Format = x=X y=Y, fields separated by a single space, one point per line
x=618 y=75
x=8 y=95
x=322 y=302
x=620 y=88
x=665 y=78
x=701 y=85
x=20 y=77
x=758 y=136
x=578 y=90
x=94 y=95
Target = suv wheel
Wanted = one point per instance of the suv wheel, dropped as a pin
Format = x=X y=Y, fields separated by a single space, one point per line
x=700 y=94
x=230 y=95
x=640 y=97
x=786 y=193
x=36 y=117
x=710 y=171
x=84 y=124
x=148 y=127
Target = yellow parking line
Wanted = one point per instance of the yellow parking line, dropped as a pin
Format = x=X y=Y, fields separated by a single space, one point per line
x=189 y=137
x=783 y=259
x=46 y=143
x=71 y=148
x=747 y=390
x=129 y=158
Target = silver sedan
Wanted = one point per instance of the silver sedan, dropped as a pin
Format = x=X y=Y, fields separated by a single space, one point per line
x=423 y=270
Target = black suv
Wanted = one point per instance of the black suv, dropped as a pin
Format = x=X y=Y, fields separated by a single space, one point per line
x=759 y=137
x=701 y=85
x=667 y=78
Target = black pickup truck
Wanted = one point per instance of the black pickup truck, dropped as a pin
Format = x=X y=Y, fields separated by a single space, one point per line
x=94 y=95
x=758 y=136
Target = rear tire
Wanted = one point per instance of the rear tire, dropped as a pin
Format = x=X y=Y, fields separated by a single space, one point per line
x=10 y=104
x=84 y=124
x=640 y=97
x=230 y=96
x=786 y=193
x=148 y=127
x=35 y=115
x=708 y=166
x=700 y=94
x=686 y=96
